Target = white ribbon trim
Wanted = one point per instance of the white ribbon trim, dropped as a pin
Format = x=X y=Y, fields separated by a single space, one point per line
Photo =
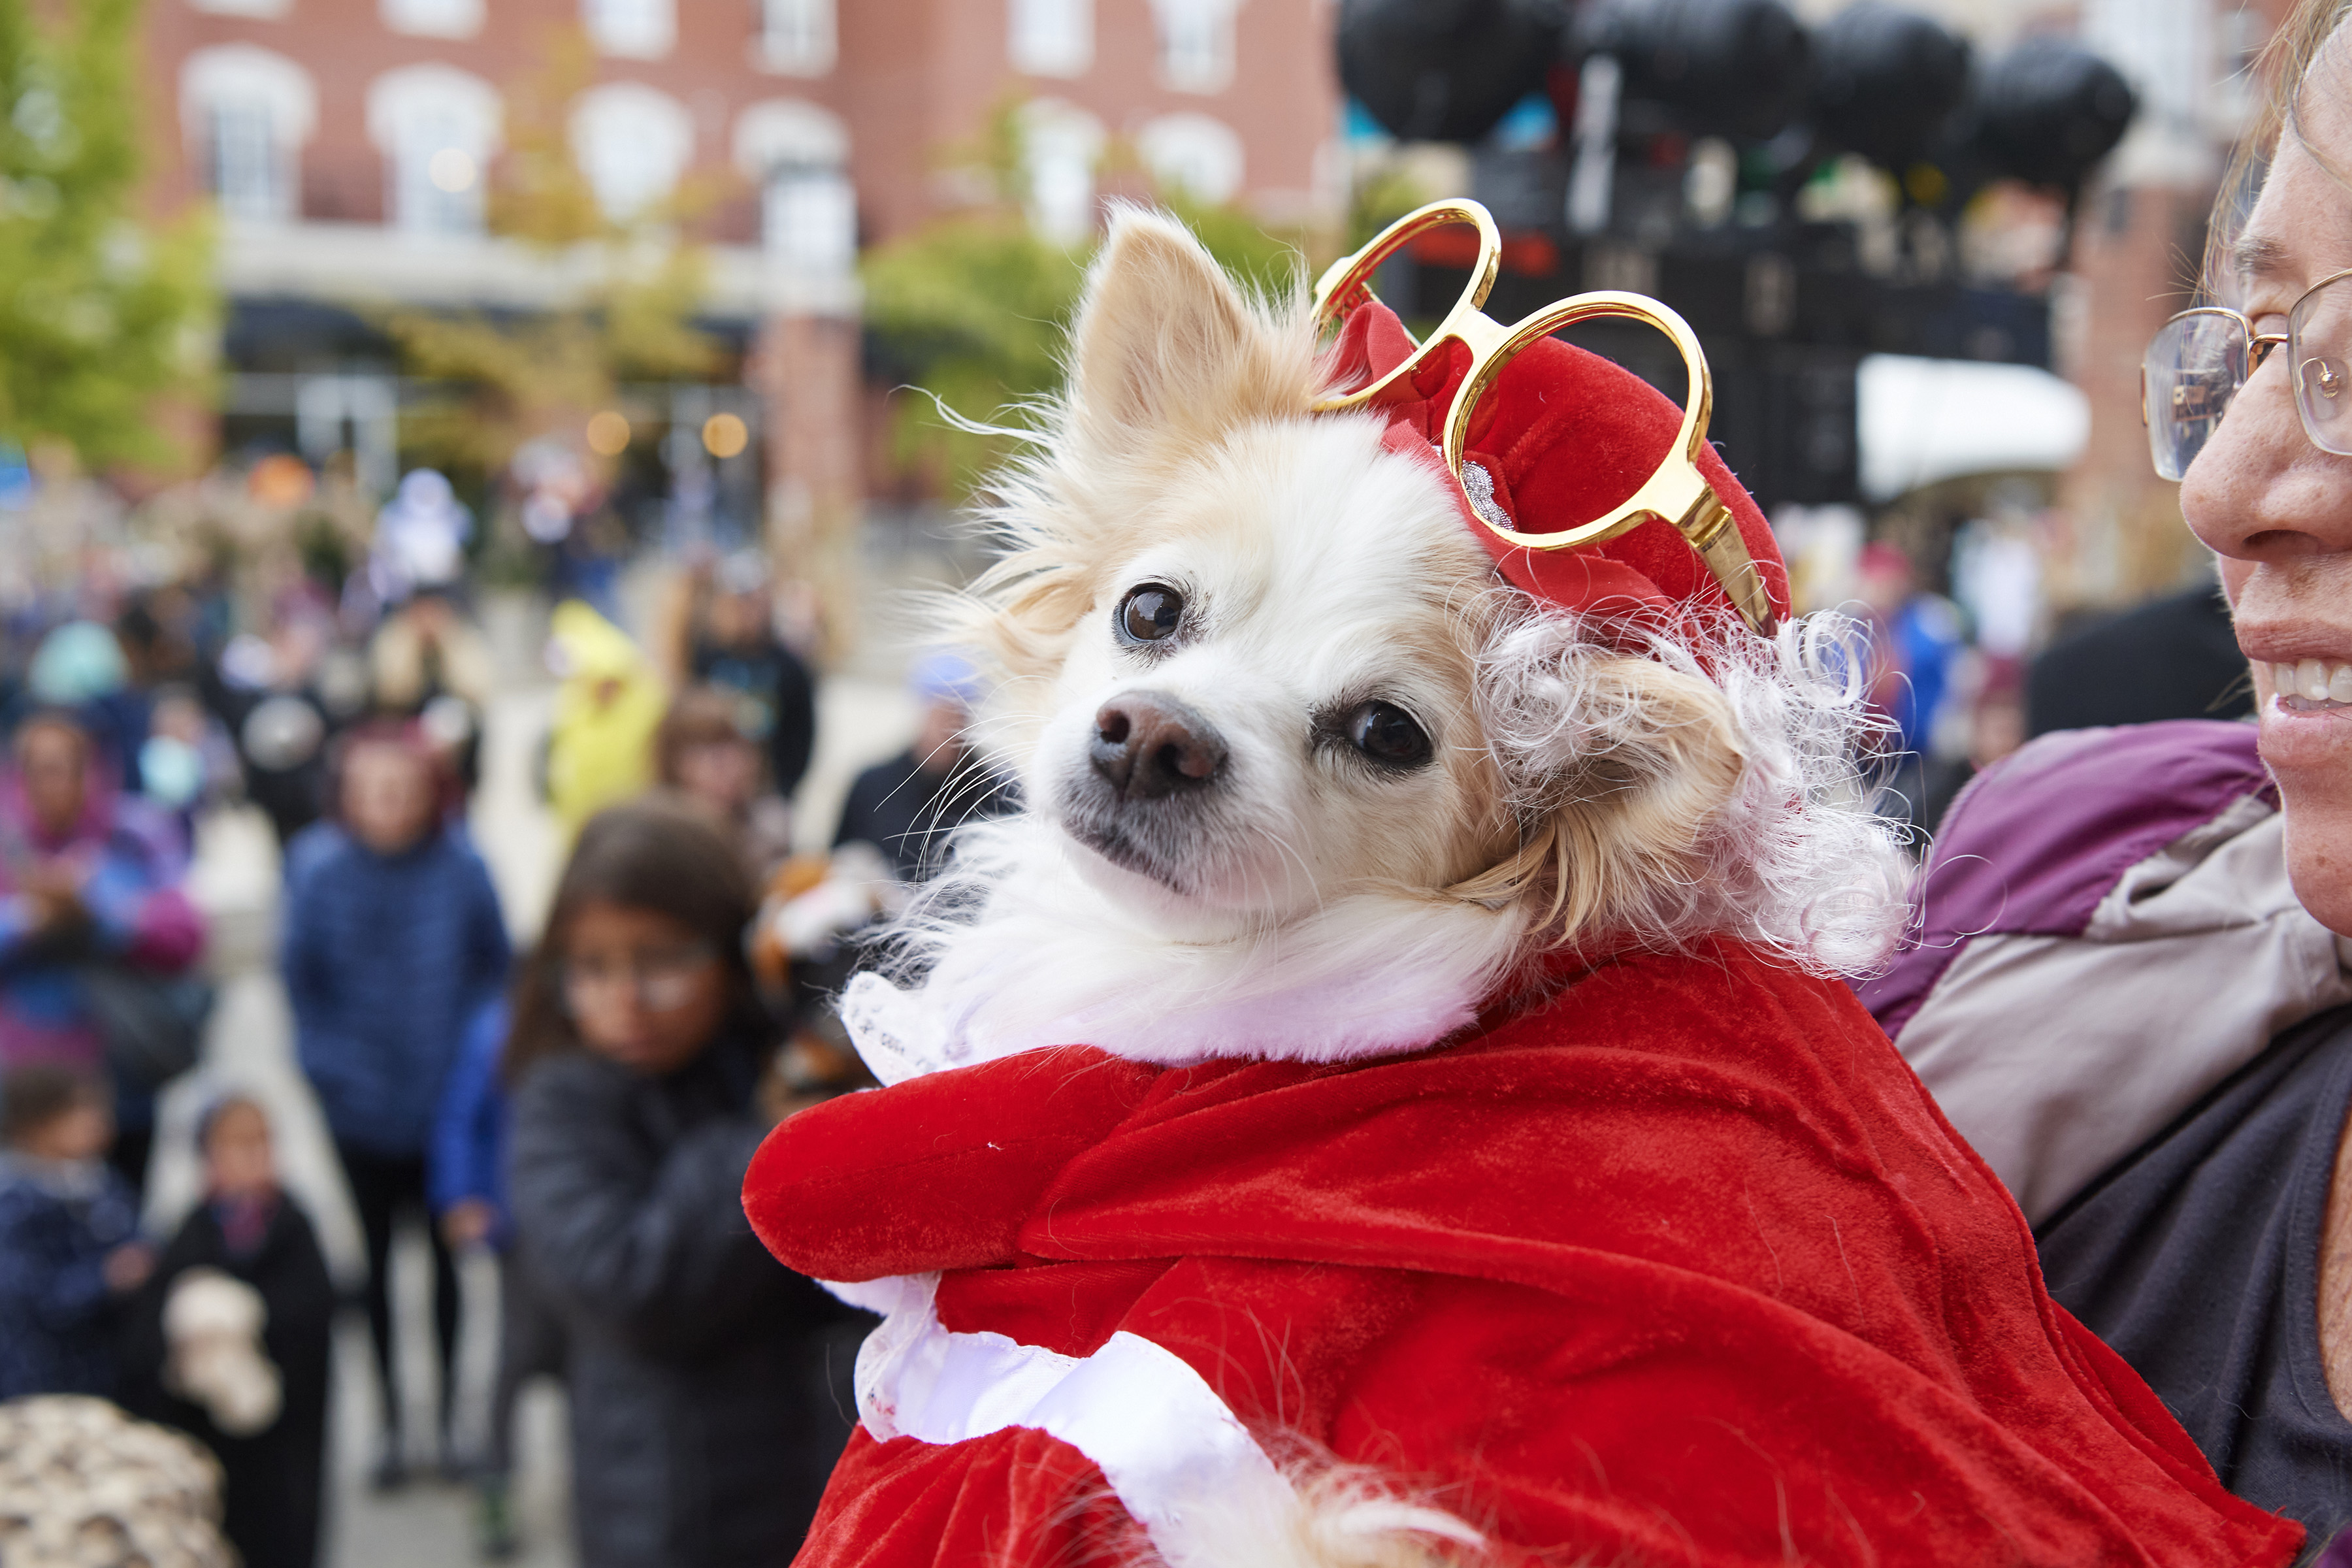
x=1171 y=1448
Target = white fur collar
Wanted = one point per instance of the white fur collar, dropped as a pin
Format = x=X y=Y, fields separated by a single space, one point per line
x=1053 y=960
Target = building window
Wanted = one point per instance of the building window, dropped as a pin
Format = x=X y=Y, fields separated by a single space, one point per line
x=808 y=218
x=437 y=127
x=1192 y=153
x=797 y=36
x=245 y=172
x=633 y=143
x=1050 y=38
x=1196 y=43
x=246 y=112
x=798 y=154
x=1060 y=146
x=638 y=29
x=433 y=18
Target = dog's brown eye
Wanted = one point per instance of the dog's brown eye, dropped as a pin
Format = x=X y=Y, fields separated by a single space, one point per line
x=1150 y=612
x=1386 y=733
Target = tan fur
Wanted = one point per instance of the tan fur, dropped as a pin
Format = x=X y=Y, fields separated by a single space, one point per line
x=1625 y=820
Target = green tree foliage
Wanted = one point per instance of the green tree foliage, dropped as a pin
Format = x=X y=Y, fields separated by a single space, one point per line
x=972 y=310
x=506 y=379
x=99 y=315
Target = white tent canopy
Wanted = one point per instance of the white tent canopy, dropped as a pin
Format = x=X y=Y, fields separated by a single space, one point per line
x=1922 y=420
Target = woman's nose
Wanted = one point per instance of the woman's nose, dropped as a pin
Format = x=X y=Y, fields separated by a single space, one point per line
x=2260 y=490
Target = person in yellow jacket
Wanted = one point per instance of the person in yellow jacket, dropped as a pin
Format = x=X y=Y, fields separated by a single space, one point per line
x=610 y=701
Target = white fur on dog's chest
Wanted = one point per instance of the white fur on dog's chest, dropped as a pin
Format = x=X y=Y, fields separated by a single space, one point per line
x=1057 y=962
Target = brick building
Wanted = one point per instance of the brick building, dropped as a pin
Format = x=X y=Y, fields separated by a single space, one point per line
x=2137 y=257
x=348 y=145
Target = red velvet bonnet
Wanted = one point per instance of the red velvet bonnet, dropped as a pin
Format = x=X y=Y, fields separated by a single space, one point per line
x=1566 y=436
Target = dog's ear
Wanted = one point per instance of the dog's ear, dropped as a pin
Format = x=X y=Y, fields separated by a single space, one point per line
x=1166 y=349
x=1614 y=768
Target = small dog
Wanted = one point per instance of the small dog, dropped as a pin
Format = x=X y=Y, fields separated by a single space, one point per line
x=1278 y=723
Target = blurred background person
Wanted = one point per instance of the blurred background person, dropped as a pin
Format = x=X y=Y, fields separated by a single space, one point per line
x=96 y=938
x=638 y=1056
x=69 y=1249
x=420 y=537
x=246 y=1228
x=906 y=807
x=284 y=698
x=732 y=645
x=393 y=945
x=2174 y=658
x=468 y=1178
x=702 y=752
x=188 y=764
x=159 y=628
x=81 y=669
x=600 y=749
x=428 y=663
x=1916 y=641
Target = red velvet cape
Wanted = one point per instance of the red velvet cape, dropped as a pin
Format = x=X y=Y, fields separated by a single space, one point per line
x=1682 y=1266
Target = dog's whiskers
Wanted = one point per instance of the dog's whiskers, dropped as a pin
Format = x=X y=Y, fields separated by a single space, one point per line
x=1313 y=884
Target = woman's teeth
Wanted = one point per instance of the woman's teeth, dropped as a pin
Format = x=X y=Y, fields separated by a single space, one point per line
x=2311 y=684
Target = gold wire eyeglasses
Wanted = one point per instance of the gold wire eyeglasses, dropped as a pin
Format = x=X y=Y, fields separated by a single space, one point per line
x=2199 y=361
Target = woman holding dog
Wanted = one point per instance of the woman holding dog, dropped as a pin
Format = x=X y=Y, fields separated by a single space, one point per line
x=2133 y=991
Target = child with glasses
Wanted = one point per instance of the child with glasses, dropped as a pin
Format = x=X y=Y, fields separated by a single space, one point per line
x=708 y=1384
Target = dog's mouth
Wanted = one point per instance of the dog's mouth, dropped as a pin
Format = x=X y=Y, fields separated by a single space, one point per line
x=1107 y=838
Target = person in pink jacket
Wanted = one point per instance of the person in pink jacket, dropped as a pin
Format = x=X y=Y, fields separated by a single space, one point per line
x=90 y=896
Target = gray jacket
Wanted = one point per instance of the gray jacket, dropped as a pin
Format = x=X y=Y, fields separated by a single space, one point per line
x=709 y=1384
x=2106 y=932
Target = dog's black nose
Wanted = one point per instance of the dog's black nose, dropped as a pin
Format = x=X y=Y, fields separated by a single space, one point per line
x=1147 y=746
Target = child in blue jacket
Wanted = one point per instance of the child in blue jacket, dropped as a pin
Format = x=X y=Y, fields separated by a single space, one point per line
x=394 y=943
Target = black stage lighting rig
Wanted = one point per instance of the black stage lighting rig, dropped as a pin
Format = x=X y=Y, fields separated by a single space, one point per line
x=1786 y=306
x=1445 y=71
x=1720 y=67
x=1886 y=83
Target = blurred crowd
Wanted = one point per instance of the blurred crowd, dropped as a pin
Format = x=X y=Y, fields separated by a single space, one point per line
x=1965 y=661
x=584 y=1111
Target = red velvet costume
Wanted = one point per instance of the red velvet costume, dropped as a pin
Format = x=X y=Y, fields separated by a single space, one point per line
x=1676 y=1265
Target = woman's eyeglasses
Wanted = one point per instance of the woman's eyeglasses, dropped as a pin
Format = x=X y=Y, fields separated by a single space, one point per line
x=662 y=979
x=1676 y=491
x=2198 y=359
